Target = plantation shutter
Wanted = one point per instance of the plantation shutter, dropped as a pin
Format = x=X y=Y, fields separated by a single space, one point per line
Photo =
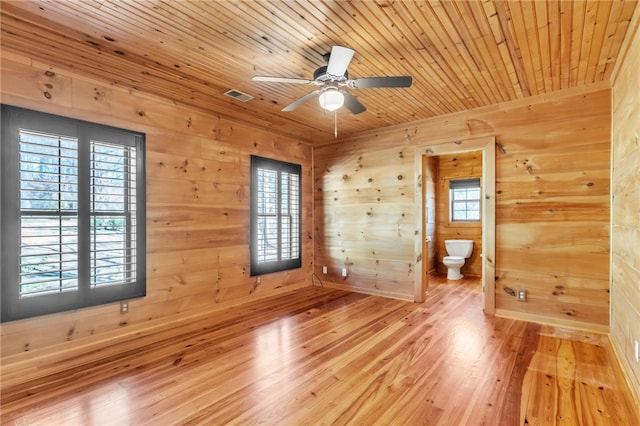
x=275 y=216
x=73 y=214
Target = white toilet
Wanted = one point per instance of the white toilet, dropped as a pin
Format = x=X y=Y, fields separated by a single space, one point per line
x=458 y=251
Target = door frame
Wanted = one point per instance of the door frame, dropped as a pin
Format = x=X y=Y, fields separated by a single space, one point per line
x=487 y=145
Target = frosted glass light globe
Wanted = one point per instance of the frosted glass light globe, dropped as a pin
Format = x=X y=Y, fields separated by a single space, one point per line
x=331 y=99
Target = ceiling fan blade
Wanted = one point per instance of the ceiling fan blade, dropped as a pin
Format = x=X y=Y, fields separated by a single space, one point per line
x=352 y=104
x=380 y=82
x=300 y=101
x=282 y=80
x=339 y=60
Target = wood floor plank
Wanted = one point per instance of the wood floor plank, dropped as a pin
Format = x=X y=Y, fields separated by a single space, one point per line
x=323 y=356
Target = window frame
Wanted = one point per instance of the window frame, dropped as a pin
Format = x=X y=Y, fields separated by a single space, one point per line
x=14 y=306
x=467 y=183
x=257 y=267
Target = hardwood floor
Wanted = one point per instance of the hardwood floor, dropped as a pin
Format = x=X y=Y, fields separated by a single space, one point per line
x=324 y=356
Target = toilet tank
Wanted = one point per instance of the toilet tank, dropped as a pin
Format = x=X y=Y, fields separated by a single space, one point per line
x=461 y=248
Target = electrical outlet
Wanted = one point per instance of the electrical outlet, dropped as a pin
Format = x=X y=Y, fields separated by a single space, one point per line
x=344 y=272
x=637 y=352
x=124 y=307
x=324 y=270
x=258 y=280
x=522 y=295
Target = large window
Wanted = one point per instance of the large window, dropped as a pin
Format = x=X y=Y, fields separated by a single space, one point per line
x=73 y=214
x=275 y=215
x=464 y=195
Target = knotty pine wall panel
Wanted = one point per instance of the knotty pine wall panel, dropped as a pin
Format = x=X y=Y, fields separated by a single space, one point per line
x=197 y=168
x=552 y=203
x=625 y=243
x=457 y=166
x=365 y=203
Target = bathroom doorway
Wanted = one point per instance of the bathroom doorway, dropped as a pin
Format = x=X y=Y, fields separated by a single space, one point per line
x=485 y=146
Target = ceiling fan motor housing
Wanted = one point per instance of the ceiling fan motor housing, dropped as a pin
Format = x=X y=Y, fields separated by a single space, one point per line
x=321 y=75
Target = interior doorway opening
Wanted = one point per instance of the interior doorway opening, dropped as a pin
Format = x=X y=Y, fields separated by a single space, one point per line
x=485 y=145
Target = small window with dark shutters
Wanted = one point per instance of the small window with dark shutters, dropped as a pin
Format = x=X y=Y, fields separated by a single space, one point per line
x=464 y=196
x=276 y=227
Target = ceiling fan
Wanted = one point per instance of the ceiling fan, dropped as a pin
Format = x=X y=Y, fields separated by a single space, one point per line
x=331 y=77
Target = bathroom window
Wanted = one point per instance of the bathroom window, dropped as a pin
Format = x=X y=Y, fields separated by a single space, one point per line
x=276 y=227
x=464 y=195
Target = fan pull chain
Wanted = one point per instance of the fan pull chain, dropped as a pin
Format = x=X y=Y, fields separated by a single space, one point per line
x=335 y=123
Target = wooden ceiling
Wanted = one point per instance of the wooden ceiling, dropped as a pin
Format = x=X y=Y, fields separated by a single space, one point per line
x=461 y=54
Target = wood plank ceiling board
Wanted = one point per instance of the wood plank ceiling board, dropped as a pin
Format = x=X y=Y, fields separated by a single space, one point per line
x=565 y=51
x=461 y=54
x=612 y=41
x=577 y=32
x=500 y=58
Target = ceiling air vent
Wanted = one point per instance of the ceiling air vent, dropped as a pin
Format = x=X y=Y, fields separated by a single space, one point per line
x=236 y=94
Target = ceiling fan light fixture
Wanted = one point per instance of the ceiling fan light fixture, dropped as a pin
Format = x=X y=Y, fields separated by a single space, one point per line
x=331 y=77
x=331 y=100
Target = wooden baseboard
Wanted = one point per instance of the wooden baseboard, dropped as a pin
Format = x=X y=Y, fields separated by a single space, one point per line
x=539 y=319
x=627 y=372
x=372 y=292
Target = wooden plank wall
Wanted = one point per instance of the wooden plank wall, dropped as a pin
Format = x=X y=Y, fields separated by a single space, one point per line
x=552 y=208
x=364 y=217
x=197 y=208
x=457 y=166
x=625 y=246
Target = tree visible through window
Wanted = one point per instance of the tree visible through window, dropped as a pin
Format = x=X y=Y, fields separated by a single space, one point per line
x=73 y=229
x=275 y=215
x=48 y=176
x=464 y=196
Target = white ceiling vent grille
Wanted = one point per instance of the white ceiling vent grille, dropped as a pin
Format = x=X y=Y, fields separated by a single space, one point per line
x=236 y=94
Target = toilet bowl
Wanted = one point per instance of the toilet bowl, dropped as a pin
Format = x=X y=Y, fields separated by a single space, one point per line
x=458 y=251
